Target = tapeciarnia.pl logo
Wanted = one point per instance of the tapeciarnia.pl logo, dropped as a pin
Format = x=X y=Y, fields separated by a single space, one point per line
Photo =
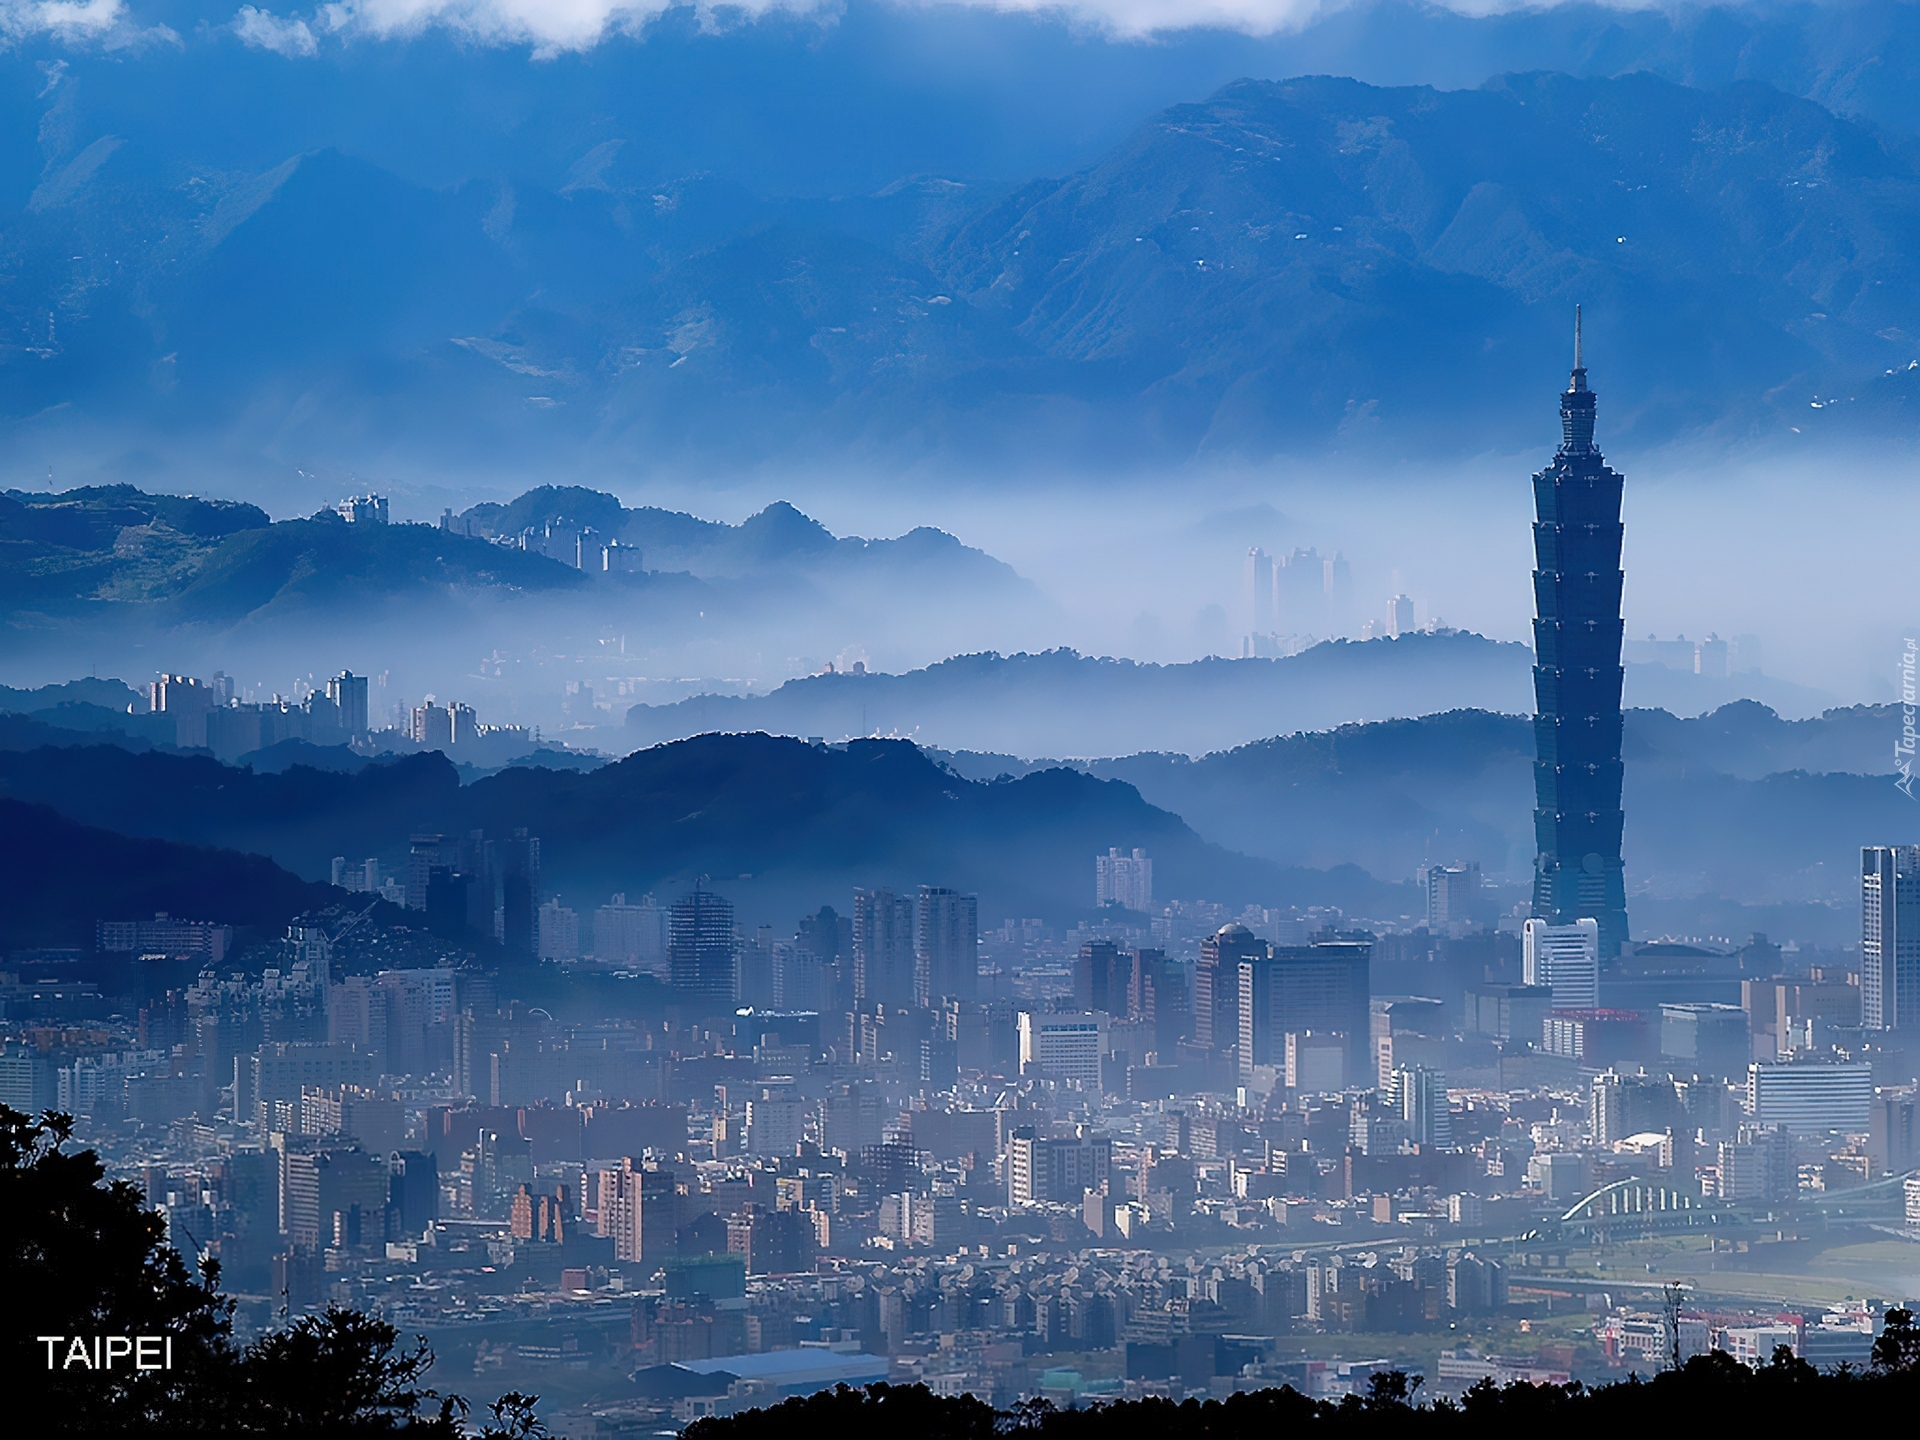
x=1903 y=748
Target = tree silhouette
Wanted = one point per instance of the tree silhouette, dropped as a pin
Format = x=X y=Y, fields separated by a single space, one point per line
x=81 y=1256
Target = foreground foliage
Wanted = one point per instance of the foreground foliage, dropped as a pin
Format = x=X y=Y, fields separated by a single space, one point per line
x=1711 y=1394
x=83 y=1257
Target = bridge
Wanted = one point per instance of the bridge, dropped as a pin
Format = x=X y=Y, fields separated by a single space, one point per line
x=1637 y=1203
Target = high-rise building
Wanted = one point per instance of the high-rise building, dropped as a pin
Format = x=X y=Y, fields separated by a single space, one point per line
x=700 y=946
x=946 y=946
x=348 y=692
x=1124 y=880
x=1063 y=1046
x=1399 y=616
x=1100 y=976
x=1059 y=1169
x=1216 y=985
x=1889 y=936
x=1565 y=959
x=1420 y=1099
x=1259 y=591
x=1811 y=1097
x=1453 y=895
x=882 y=948
x=637 y=1210
x=510 y=878
x=1321 y=986
x=1577 y=678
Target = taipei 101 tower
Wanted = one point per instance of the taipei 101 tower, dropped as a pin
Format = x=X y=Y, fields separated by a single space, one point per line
x=1576 y=678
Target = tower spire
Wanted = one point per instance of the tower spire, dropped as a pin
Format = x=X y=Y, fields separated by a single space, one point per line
x=1576 y=339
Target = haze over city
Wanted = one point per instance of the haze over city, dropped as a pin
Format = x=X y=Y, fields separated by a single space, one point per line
x=978 y=717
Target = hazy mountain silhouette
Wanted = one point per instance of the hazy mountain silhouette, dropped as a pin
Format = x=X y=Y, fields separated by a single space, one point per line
x=1287 y=264
x=777 y=824
x=64 y=876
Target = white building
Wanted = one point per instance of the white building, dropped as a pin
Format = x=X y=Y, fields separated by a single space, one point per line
x=363 y=509
x=1565 y=957
x=1124 y=880
x=1063 y=1047
x=1811 y=1098
x=559 y=932
x=634 y=935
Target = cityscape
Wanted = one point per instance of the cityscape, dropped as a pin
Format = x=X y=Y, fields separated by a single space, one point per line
x=1192 y=877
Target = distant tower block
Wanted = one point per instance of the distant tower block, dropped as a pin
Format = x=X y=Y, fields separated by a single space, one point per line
x=1577 y=676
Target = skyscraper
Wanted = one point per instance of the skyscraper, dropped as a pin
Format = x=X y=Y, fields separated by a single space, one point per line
x=882 y=948
x=700 y=946
x=946 y=946
x=1889 y=936
x=1577 y=676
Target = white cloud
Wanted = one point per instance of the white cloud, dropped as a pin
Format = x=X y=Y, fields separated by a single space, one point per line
x=263 y=30
x=85 y=20
x=550 y=27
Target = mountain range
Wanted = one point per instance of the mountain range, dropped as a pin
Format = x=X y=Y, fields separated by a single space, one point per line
x=198 y=585
x=777 y=825
x=1736 y=820
x=1277 y=265
x=1060 y=702
x=1739 y=803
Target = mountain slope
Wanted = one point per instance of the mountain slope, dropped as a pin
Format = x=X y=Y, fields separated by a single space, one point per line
x=780 y=826
x=63 y=876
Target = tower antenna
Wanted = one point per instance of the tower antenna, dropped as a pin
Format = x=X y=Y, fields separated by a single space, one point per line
x=1577 y=364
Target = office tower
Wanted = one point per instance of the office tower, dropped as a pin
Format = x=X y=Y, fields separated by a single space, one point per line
x=1322 y=986
x=510 y=876
x=1100 y=977
x=1420 y=1100
x=348 y=692
x=1216 y=986
x=1565 y=959
x=882 y=948
x=1812 y=1098
x=700 y=946
x=1399 y=616
x=1889 y=936
x=946 y=946
x=1063 y=1046
x=1157 y=995
x=1577 y=677
x=826 y=940
x=1123 y=880
x=1453 y=894
x=1259 y=591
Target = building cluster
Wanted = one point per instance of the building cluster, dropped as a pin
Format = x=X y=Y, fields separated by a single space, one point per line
x=207 y=715
x=580 y=546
